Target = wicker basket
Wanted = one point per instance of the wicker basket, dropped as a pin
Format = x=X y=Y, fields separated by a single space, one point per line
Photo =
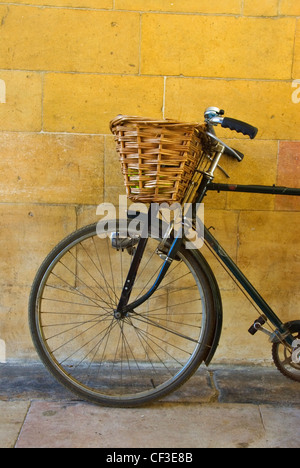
x=158 y=157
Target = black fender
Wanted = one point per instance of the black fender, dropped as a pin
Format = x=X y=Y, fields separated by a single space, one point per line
x=218 y=307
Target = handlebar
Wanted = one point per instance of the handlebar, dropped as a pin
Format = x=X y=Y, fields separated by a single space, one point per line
x=214 y=116
x=240 y=127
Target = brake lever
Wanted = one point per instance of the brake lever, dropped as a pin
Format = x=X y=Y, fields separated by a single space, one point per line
x=232 y=151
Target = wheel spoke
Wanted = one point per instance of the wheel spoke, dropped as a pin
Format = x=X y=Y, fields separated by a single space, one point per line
x=145 y=319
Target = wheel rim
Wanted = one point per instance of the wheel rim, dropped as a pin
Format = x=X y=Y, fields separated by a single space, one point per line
x=283 y=359
x=145 y=353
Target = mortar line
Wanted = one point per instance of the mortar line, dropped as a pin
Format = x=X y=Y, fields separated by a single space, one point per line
x=261 y=418
x=140 y=45
x=217 y=393
x=137 y=75
x=242 y=7
x=42 y=103
x=104 y=167
x=238 y=236
x=277 y=161
x=22 y=425
x=294 y=50
x=103 y=134
x=57 y=7
x=95 y=205
x=164 y=98
x=185 y=13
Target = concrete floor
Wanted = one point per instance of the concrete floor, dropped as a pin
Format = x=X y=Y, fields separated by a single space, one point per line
x=230 y=407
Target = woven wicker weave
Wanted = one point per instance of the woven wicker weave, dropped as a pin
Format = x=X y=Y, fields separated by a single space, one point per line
x=158 y=157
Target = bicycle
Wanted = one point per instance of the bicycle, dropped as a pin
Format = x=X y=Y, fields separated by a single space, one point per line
x=123 y=319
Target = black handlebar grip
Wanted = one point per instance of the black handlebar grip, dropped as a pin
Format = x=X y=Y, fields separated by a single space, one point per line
x=240 y=127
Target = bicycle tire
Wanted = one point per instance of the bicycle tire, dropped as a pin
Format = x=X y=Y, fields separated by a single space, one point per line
x=282 y=355
x=40 y=321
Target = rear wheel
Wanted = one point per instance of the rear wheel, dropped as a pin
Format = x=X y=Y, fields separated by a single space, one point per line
x=284 y=356
x=119 y=362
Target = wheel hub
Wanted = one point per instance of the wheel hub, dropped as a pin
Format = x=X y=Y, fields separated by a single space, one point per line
x=119 y=316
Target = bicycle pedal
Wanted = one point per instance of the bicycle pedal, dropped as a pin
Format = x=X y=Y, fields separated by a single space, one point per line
x=257 y=325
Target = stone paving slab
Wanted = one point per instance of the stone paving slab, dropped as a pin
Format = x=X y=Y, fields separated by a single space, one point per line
x=221 y=406
x=282 y=426
x=52 y=424
x=12 y=416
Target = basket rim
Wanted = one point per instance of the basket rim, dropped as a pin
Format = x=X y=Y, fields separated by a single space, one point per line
x=124 y=119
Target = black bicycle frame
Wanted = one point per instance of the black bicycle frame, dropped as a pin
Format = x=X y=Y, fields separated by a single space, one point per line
x=243 y=281
x=207 y=185
x=123 y=306
x=264 y=189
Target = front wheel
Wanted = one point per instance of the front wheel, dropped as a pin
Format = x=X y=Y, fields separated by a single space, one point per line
x=123 y=362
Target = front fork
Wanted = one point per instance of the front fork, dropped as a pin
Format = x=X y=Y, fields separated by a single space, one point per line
x=123 y=306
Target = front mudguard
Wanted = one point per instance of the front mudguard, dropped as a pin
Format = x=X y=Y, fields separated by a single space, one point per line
x=218 y=307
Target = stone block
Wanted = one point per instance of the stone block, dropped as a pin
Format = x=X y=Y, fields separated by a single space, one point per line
x=60 y=39
x=296 y=69
x=185 y=6
x=113 y=172
x=21 y=101
x=257 y=48
x=224 y=227
x=86 y=214
x=259 y=8
x=28 y=234
x=14 y=330
x=258 y=167
x=45 y=168
x=236 y=345
x=86 y=103
x=288 y=174
x=97 y=4
x=268 y=251
x=114 y=181
x=289 y=7
x=267 y=105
